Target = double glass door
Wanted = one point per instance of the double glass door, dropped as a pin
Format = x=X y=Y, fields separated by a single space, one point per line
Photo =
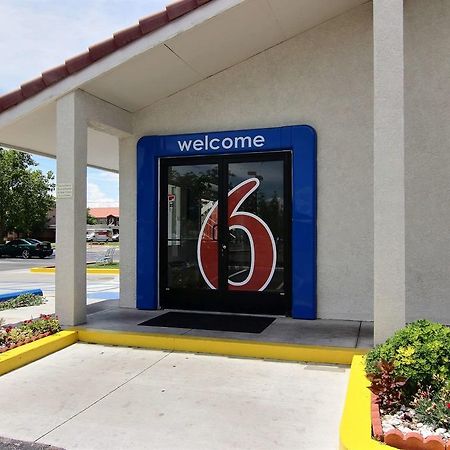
x=225 y=233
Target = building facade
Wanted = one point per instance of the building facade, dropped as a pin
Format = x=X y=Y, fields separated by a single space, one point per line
x=367 y=234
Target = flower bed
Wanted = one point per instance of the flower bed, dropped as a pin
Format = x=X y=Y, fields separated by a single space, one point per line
x=22 y=300
x=410 y=383
x=28 y=331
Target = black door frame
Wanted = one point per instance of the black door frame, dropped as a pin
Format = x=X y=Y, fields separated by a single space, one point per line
x=222 y=299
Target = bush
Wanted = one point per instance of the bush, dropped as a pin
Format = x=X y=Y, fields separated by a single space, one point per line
x=387 y=386
x=420 y=352
x=21 y=301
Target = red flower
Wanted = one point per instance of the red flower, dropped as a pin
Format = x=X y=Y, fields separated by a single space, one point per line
x=448 y=405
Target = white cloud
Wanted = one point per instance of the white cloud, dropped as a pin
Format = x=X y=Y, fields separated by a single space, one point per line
x=37 y=35
x=97 y=198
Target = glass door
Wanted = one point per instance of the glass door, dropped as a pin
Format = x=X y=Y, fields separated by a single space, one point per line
x=224 y=233
x=256 y=228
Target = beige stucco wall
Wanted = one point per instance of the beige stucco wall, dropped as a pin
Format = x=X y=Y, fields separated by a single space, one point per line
x=427 y=158
x=322 y=78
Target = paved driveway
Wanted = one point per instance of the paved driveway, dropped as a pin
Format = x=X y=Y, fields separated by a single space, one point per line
x=97 y=397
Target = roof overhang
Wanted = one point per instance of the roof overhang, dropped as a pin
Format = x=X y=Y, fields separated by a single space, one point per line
x=185 y=51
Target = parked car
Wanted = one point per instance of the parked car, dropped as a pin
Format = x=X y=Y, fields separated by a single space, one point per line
x=90 y=236
x=115 y=237
x=101 y=236
x=26 y=248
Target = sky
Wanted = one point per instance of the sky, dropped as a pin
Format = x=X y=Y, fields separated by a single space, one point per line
x=37 y=35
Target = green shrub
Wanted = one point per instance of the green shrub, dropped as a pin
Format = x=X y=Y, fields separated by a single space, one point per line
x=420 y=352
x=21 y=301
x=45 y=324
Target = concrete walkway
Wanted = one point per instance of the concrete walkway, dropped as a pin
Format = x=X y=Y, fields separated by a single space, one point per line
x=96 y=397
x=323 y=332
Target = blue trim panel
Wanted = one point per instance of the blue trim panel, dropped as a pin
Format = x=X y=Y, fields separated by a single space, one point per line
x=301 y=139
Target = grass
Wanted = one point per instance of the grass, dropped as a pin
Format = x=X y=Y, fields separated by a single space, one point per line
x=103 y=266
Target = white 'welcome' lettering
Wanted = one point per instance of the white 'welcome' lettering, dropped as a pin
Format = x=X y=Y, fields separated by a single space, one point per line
x=184 y=145
x=227 y=143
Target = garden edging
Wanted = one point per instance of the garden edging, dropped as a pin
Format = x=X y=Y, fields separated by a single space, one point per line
x=27 y=353
x=361 y=412
x=356 y=425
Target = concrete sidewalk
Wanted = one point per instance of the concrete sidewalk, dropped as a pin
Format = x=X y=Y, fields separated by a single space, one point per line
x=96 y=397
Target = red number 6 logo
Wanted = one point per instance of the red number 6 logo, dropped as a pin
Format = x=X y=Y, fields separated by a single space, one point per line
x=263 y=255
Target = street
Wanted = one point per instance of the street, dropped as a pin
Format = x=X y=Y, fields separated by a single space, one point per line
x=93 y=252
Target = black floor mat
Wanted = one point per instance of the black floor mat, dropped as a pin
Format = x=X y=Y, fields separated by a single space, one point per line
x=217 y=322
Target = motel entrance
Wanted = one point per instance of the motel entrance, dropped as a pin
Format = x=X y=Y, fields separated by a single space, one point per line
x=226 y=221
x=225 y=233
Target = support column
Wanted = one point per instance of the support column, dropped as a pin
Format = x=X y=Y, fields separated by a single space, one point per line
x=128 y=242
x=71 y=211
x=389 y=179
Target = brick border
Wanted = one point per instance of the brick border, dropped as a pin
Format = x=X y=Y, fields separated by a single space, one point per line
x=397 y=439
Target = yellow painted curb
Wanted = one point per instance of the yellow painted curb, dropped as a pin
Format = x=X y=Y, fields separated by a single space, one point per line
x=20 y=356
x=104 y=271
x=356 y=426
x=227 y=347
x=52 y=270
x=42 y=269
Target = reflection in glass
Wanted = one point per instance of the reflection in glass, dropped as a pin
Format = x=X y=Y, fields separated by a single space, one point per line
x=192 y=193
x=266 y=203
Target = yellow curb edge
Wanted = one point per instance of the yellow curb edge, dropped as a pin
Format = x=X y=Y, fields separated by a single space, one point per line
x=52 y=270
x=217 y=346
x=103 y=271
x=355 y=430
x=42 y=269
x=25 y=354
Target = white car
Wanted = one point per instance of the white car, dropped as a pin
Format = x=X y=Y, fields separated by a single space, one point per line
x=101 y=236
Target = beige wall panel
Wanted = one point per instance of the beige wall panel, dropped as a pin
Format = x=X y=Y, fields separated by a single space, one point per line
x=322 y=78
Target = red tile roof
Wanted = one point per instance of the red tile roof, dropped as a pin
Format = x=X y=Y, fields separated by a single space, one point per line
x=99 y=213
x=98 y=51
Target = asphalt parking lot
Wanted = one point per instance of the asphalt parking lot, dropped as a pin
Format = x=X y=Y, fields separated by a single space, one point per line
x=93 y=252
x=15 y=275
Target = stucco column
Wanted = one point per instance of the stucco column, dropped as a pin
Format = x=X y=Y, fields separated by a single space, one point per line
x=71 y=210
x=389 y=178
x=127 y=198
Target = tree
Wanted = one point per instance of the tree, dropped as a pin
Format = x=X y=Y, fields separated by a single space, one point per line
x=90 y=220
x=25 y=194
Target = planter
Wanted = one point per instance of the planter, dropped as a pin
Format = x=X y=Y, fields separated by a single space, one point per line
x=26 y=341
x=395 y=438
